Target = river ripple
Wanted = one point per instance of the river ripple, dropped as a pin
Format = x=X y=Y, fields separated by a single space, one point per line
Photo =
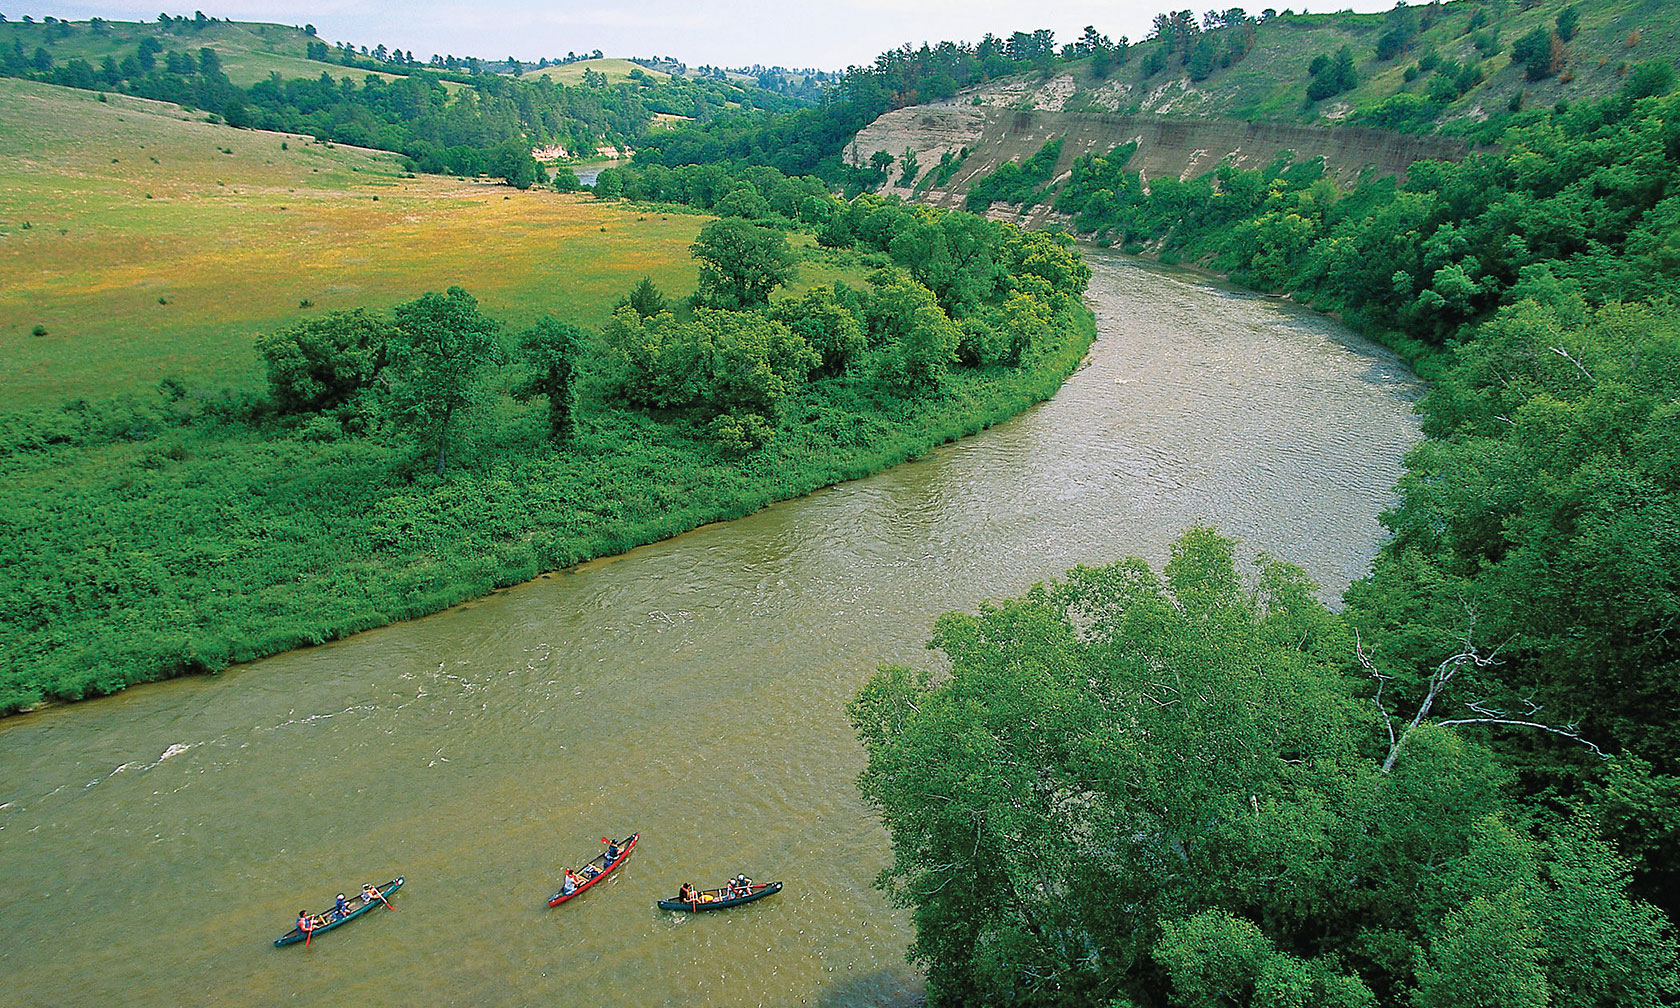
x=154 y=843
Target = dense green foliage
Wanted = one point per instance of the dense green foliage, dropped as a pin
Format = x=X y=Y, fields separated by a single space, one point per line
x=740 y=262
x=1019 y=184
x=1210 y=790
x=785 y=200
x=1141 y=790
x=1579 y=202
x=400 y=463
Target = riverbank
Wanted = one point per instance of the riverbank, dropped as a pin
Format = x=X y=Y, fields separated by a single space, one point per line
x=184 y=549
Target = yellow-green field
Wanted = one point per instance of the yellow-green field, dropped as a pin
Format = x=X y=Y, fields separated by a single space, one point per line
x=571 y=73
x=145 y=249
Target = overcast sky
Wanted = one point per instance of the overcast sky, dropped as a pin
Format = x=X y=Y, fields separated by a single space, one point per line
x=825 y=34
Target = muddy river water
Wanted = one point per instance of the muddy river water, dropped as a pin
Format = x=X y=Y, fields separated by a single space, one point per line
x=153 y=844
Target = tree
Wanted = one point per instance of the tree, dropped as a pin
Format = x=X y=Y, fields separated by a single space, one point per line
x=827 y=326
x=447 y=345
x=1488 y=957
x=1142 y=788
x=609 y=184
x=742 y=201
x=718 y=363
x=147 y=53
x=740 y=263
x=754 y=362
x=1540 y=52
x=550 y=351
x=1332 y=76
x=511 y=160
x=1568 y=22
x=566 y=180
x=320 y=363
x=645 y=298
x=1199 y=64
x=921 y=340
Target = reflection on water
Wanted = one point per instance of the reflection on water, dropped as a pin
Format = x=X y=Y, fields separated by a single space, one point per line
x=153 y=844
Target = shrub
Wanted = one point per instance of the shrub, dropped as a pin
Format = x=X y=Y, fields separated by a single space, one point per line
x=320 y=363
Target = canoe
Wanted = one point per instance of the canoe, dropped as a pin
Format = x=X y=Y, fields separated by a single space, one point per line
x=602 y=867
x=331 y=918
x=757 y=890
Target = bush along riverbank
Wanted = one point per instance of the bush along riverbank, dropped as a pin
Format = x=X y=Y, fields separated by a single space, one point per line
x=397 y=463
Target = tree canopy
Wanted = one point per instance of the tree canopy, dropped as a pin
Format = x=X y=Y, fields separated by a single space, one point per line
x=740 y=263
x=447 y=345
x=1166 y=789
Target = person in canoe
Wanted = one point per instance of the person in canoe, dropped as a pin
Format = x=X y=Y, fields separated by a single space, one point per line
x=370 y=893
x=307 y=923
x=341 y=907
x=612 y=851
x=740 y=886
x=687 y=893
x=570 y=884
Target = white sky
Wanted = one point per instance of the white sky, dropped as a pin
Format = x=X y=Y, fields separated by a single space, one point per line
x=825 y=34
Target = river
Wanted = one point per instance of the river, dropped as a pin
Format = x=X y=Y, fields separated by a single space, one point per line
x=153 y=844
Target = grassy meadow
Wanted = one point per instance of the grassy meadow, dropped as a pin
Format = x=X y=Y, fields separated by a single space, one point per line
x=615 y=70
x=149 y=243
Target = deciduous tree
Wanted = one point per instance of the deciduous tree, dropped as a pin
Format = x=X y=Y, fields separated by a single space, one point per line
x=740 y=263
x=447 y=344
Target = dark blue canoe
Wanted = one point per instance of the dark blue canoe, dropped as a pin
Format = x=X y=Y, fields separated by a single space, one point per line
x=332 y=918
x=720 y=901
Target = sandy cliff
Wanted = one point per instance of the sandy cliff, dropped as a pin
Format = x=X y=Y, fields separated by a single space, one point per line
x=1013 y=120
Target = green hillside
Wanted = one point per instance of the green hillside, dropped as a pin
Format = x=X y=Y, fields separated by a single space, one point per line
x=249 y=51
x=1452 y=65
x=615 y=70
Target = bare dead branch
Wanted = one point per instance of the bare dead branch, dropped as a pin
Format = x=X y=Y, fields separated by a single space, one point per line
x=1561 y=352
x=1382 y=680
x=1444 y=673
x=1567 y=731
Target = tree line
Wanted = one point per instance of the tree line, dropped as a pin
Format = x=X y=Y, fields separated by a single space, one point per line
x=811 y=141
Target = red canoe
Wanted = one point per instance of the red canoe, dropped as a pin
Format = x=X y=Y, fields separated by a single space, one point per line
x=601 y=868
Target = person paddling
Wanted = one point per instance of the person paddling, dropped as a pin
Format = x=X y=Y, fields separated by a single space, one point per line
x=570 y=884
x=687 y=893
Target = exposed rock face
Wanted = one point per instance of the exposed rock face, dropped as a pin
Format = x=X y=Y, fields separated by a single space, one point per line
x=1013 y=121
